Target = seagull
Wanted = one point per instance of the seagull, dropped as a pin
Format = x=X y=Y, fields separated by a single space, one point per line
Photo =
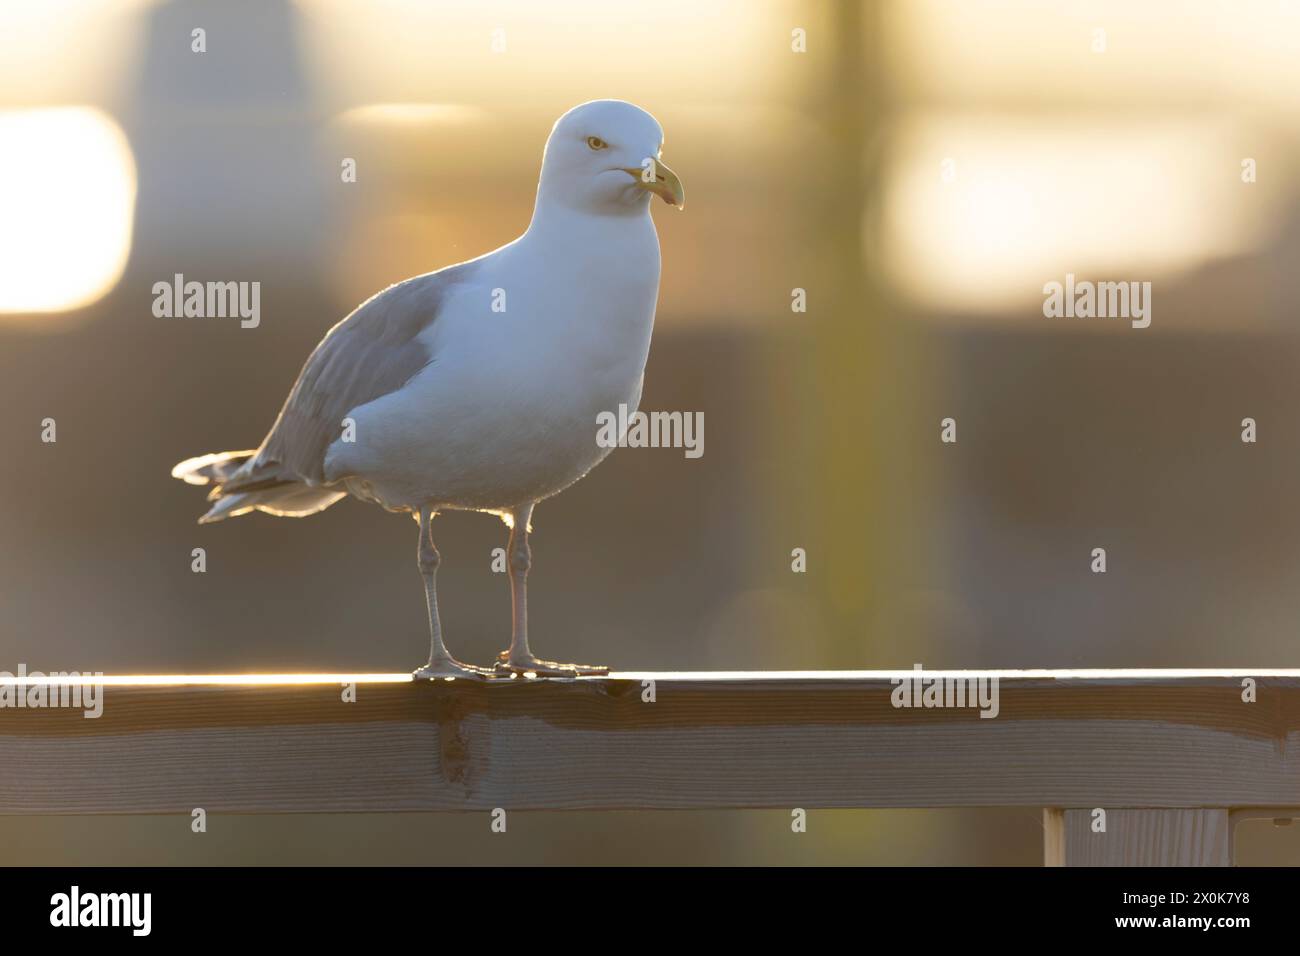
x=478 y=387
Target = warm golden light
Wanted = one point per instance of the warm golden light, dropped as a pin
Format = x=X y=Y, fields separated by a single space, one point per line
x=199 y=680
x=410 y=113
x=265 y=680
x=67 y=188
x=982 y=210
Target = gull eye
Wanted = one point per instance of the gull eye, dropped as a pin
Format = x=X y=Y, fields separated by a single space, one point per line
x=595 y=142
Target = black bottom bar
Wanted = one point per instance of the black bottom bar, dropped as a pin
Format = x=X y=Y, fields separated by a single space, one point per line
x=327 y=904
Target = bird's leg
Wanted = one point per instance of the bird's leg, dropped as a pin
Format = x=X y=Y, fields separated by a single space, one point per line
x=441 y=663
x=519 y=659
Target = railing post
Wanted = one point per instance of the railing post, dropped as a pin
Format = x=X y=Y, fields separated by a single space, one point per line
x=1179 y=837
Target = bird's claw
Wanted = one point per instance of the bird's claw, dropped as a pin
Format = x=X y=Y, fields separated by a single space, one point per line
x=452 y=669
x=540 y=668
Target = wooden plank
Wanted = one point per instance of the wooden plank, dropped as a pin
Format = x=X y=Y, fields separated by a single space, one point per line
x=1199 y=837
x=1053 y=837
x=1132 y=739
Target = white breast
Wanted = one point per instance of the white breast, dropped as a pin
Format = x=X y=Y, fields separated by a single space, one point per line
x=506 y=412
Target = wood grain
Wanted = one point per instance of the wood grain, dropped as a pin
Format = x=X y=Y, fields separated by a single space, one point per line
x=1201 y=837
x=812 y=740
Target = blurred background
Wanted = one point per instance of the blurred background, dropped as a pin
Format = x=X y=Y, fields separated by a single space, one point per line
x=921 y=170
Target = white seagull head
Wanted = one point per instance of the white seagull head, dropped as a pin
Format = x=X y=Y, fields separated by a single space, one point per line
x=605 y=158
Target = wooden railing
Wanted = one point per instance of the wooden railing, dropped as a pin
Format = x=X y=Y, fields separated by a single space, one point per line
x=1168 y=757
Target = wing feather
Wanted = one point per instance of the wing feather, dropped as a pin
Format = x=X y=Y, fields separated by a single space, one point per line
x=371 y=353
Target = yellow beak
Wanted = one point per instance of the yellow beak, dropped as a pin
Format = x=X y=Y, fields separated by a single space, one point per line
x=655 y=177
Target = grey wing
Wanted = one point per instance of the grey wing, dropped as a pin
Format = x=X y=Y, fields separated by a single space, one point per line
x=373 y=352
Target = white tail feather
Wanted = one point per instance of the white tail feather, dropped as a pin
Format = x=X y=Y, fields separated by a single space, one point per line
x=286 y=501
x=207 y=469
